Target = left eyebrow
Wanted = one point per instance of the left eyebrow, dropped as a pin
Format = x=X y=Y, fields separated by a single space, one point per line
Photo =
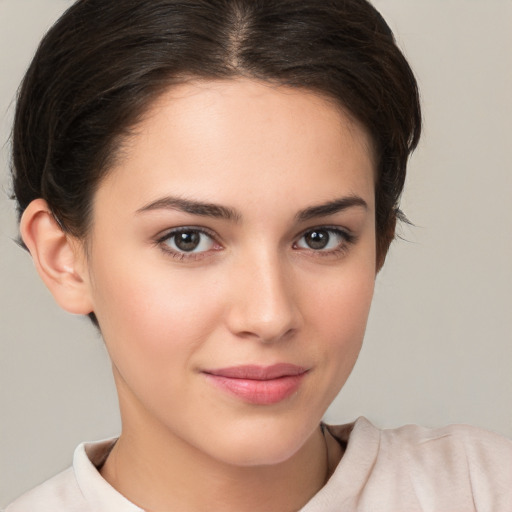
x=331 y=207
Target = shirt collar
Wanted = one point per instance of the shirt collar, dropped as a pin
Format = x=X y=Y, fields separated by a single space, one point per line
x=98 y=493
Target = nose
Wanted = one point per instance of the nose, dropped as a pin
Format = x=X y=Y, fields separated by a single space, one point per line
x=264 y=304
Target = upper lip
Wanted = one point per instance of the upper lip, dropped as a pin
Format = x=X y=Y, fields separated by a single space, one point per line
x=257 y=372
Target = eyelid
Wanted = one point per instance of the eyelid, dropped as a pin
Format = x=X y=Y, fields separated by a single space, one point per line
x=348 y=238
x=165 y=235
x=348 y=234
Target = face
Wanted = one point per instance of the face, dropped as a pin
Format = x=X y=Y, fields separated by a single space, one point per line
x=232 y=265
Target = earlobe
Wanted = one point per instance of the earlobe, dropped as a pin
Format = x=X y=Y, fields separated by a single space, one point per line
x=57 y=258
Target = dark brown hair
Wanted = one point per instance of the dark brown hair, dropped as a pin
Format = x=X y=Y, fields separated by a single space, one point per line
x=100 y=66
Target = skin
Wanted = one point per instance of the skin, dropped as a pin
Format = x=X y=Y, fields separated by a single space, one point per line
x=254 y=291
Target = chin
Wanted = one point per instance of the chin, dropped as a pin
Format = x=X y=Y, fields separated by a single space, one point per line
x=258 y=455
x=261 y=444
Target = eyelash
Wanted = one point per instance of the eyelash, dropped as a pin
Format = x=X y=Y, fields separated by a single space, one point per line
x=191 y=256
x=347 y=237
x=162 y=242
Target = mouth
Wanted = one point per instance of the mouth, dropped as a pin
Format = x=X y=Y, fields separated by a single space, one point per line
x=259 y=385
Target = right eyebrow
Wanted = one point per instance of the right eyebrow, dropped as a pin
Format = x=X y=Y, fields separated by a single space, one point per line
x=192 y=207
x=331 y=207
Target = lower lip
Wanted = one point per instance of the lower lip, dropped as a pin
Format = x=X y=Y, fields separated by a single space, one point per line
x=260 y=392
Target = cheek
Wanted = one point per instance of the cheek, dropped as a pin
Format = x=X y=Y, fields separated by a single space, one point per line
x=150 y=312
x=341 y=321
x=338 y=315
x=345 y=307
x=340 y=299
x=153 y=324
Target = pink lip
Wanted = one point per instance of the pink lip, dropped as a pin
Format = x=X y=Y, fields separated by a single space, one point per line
x=261 y=385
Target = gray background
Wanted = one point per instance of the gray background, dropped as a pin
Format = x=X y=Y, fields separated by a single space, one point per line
x=439 y=343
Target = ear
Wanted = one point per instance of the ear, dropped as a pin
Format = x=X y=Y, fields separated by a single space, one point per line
x=59 y=258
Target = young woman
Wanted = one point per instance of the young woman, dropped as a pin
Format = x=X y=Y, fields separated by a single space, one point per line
x=216 y=184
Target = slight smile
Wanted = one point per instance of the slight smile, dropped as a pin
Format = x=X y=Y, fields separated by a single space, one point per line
x=259 y=385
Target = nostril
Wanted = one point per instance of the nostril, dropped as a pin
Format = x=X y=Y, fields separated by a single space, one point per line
x=249 y=323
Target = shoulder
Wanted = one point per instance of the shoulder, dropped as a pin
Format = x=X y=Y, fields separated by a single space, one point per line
x=454 y=466
x=59 y=493
x=458 y=458
x=454 y=445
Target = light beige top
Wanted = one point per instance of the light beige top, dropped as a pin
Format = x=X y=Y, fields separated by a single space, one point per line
x=409 y=469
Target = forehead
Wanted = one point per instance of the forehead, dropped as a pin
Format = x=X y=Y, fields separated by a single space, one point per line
x=241 y=140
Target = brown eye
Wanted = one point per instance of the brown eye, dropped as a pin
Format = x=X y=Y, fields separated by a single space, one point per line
x=323 y=239
x=317 y=239
x=189 y=241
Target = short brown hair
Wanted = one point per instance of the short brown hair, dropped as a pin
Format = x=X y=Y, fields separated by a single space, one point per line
x=104 y=61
